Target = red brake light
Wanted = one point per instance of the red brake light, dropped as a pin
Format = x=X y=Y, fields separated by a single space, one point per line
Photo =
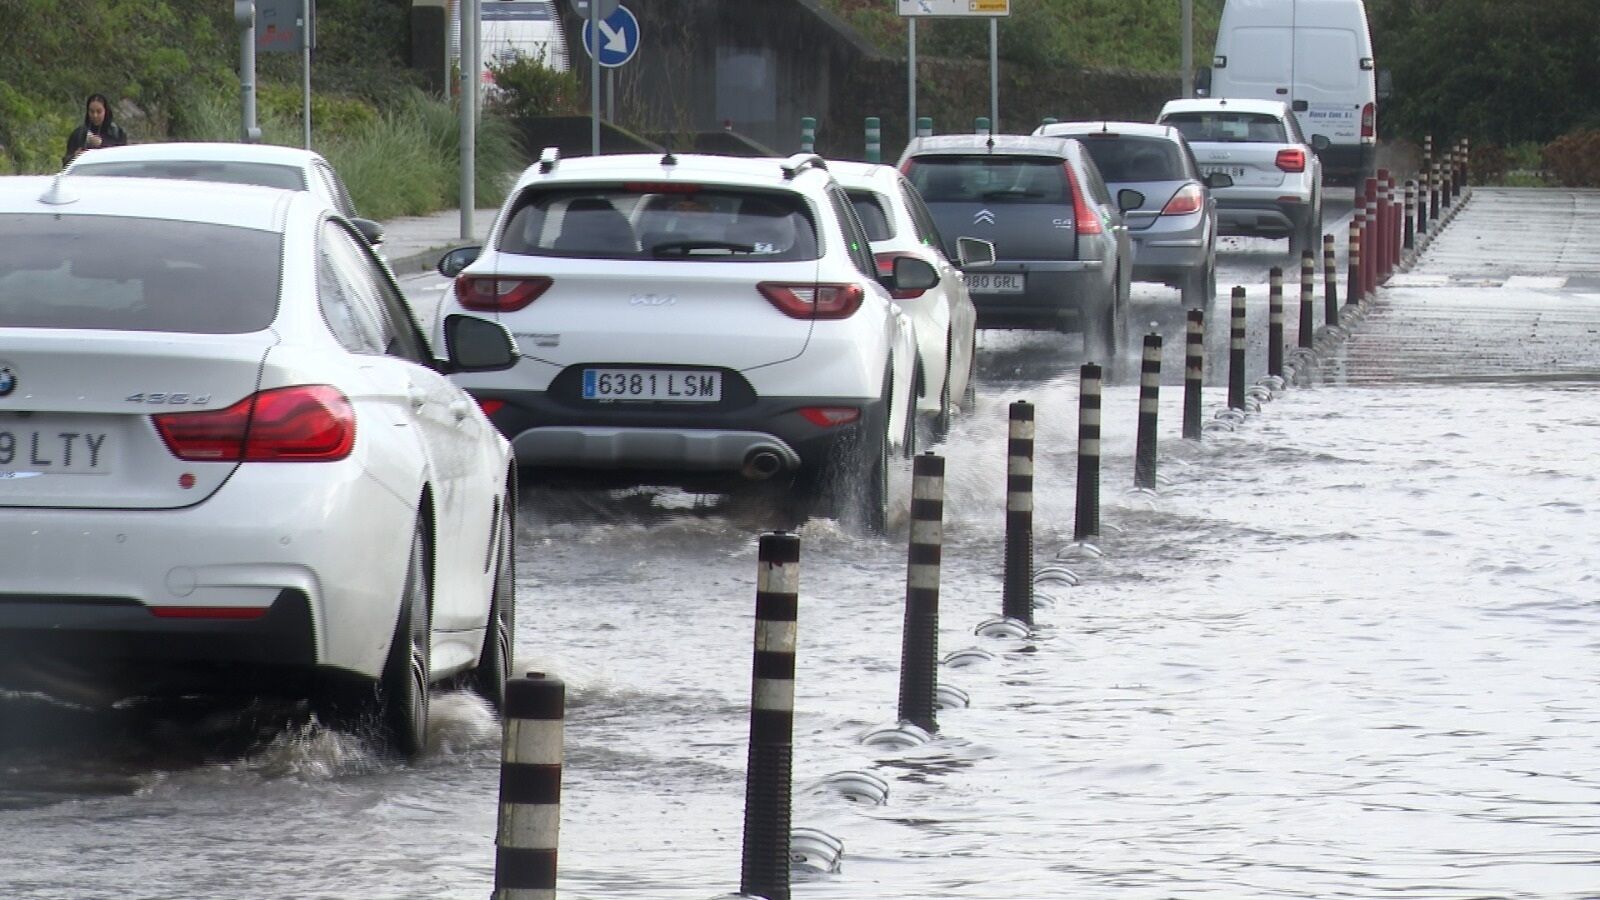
x=305 y=423
x=490 y=407
x=1292 y=159
x=1087 y=221
x=1188 y=199
x=886 y=267
x=487 y=293
x=207 y=612
x=813 y=301
x=1369 y=121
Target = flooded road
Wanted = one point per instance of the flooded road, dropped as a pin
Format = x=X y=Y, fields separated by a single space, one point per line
x=1346 y=649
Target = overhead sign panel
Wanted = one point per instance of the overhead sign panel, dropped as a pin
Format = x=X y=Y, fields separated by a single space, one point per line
x=962 y=8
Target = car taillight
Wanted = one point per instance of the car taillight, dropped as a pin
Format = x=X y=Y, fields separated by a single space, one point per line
x=1087 y=221
x=488 y=293
x=1292 y=160
x=1188 y=199
x=305 y=423
x=813 y=301
x=1369 y=121
x=829 y=416
x=490 y=407
x=886 y=267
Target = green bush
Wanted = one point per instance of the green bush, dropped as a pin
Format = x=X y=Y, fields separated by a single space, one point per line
x=32 y=138
x=525 y=89
x=1573 y=159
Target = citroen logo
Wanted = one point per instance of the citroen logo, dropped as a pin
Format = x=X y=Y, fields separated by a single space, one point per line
x=983 y=217
x=8 y=381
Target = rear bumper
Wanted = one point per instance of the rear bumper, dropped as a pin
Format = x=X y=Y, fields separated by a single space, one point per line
x=1056 y=295
x=1261 y=218
x=1346 y=161
x=1166 y=253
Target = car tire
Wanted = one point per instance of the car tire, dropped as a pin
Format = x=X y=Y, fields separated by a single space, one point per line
x=852 y=483
x=908 y=445
x=488 y=678
x=403 y=686
x=1200 y=288
x=969 y=394
x=942 y=419
x=1102 y=337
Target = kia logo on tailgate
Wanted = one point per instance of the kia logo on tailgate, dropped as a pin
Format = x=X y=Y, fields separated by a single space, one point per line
x=653 y=299
x=983 y=217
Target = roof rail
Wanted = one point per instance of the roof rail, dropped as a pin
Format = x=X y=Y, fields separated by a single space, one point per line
x=799 y=161
x=549 y=158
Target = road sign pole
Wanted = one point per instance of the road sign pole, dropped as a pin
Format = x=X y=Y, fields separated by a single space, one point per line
x=1188 y=48
x=468 y=39
x=594 y=77
x=305 y=67
x=994 y=75
x=911 y=75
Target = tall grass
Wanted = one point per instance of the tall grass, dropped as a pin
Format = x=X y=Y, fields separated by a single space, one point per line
x=402 y=161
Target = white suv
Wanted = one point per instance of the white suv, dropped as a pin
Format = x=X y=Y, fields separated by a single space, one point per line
x=1277 y=177
x=694 y=315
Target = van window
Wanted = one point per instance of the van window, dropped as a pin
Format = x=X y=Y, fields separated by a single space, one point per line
x=979 y=179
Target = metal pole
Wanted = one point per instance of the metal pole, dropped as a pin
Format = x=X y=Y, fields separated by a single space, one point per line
x=994 y=74
x=1087 y=521
x=469 y=121
x=1144 y=456
x=305 y=67
x=594 y=77
x=769 y=774
x=911 y=74
x=1194 y=373
x=530 y=788
x=919 y=645
x=611 y=96
x=244 y=13
x=1017 y=596
x=1188 y=48
x=1236 y=352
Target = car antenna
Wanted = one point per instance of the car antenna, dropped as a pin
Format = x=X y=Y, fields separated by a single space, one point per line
x=668 y=159
x=57 y=194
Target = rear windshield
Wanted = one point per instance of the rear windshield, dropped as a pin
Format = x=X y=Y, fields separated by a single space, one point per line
x=1122 y=158
x=662 y=221
x=127 y=274
x=980 y=179
x=1235 y=127
x=873 y=215
x=289 y=178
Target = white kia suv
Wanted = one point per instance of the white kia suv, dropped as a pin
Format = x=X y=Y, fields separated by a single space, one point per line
x=692 y=315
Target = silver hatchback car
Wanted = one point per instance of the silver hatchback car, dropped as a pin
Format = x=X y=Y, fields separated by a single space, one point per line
x=1174 y=231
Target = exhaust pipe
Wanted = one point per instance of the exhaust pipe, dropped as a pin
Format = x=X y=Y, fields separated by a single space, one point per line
x=761 y=464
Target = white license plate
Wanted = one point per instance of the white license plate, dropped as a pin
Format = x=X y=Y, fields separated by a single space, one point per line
x=1230 y=171
x=673 y=385
x=52 y=449
x=996 y=282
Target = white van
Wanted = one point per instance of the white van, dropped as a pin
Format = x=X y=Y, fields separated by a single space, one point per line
x=1315 y=55
x=514 y=29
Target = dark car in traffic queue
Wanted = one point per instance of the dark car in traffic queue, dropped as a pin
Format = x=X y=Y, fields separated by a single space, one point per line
x=1063 y=257
x=1174 y=231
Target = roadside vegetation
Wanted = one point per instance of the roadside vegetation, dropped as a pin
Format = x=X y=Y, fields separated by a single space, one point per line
x=169 y=67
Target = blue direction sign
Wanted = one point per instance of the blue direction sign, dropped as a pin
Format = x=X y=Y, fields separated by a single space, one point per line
x=619 y=38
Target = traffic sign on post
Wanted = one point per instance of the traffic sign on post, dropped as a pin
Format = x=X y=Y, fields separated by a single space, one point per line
x=955 y=7
x=619 y=38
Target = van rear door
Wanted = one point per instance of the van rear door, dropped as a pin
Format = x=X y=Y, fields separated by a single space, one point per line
x=1329 y=81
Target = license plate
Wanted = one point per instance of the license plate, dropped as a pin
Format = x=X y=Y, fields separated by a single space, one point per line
x=53 y=450
x=671 y=385
x=1230 y=171
x=995 y=282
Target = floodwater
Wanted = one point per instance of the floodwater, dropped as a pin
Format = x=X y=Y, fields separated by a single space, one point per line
x=1347 y=648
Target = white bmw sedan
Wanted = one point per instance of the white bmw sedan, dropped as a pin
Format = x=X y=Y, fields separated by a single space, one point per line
x=229 y=462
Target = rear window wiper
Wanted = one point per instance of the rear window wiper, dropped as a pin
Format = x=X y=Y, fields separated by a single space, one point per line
x=686 y=248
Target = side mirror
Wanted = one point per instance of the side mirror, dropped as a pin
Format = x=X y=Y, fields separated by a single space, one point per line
x=478 y=345
x=1385 y=84
x=1320 y=142
x=372 y=231
x=451 y=264
x=1216 y=180
x=912 y=274
x=974 y=253
x=1128 y=198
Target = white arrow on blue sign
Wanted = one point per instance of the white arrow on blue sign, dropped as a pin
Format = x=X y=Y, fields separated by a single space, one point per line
x=619 y=38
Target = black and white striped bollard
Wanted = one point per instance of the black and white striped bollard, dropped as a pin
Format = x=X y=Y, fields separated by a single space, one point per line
x=1435 y=190
x=1308 y=308
x=1087 y=521
x=1353 y=287
x=1236 y=352
x=1194 y=373
x=769 y=776
x=1276 y=316
x=1017 y=601
x=530 y=789
x=1409 y=238
x=1144 y=457
x=1330 y=274
x=919 y=646
x=1422 y=198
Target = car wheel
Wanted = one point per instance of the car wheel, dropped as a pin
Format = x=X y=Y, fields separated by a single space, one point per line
x=403 y=687
x=969 y=394
x=908 y=446
x=852 y=483
x=1200 y=287
x=1100 y=337
x=488 y=678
